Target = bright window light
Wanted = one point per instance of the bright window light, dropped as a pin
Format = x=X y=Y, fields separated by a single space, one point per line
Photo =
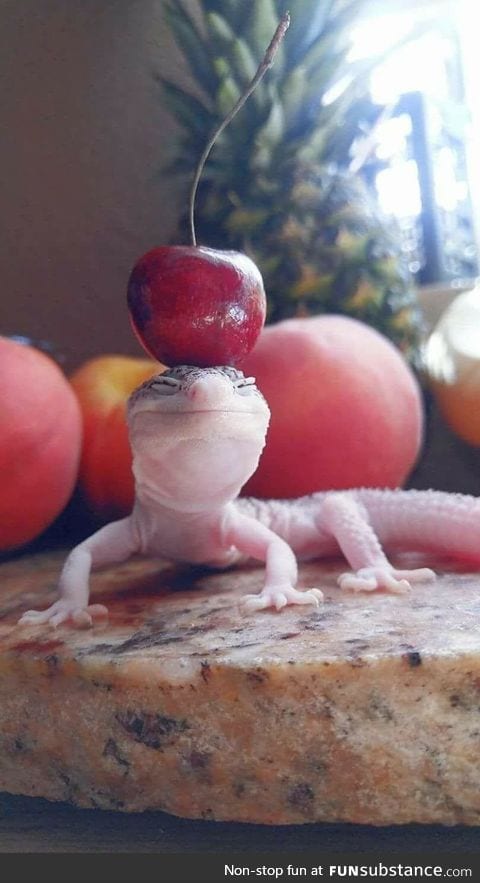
x=418 y=67
x=448 y=190
x=399 y=191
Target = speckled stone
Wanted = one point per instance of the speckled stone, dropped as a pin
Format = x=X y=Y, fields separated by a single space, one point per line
x=365 y=710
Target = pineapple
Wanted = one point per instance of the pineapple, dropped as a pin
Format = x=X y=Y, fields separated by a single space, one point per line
x=278 y=184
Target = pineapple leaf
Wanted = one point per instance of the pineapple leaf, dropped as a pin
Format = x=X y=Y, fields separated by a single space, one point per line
x=220 y=30
x=308 y=21
x=227 y=95
x=312 y=149
x=186 y=108
x=191 y=44
x=245 y=68
x=324 y=50
x=222 y=67
x=272 y=130
x=310 y=112
x=243 y=60
x=241 y=64
x=232 y=10
x=292 y=92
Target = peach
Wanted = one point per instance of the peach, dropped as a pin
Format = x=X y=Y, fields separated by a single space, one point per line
x=40 y=438
x=452 y=365
x=346 y=408
x=102 y=386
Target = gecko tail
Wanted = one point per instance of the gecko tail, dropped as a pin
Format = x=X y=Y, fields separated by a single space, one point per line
x=447 y=523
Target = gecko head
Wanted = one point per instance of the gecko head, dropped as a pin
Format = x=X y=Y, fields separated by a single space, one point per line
x=187 y=389
x=199 y=431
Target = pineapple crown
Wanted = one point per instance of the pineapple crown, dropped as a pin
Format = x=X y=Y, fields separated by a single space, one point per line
x=279 y=183
x=309 y=110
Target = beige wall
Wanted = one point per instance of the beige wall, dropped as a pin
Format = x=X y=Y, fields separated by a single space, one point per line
x=83 y=134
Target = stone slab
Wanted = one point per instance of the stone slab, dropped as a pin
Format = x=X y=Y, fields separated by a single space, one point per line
x=366 y=710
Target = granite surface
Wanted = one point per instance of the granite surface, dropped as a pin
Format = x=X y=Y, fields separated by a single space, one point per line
x=365 y=710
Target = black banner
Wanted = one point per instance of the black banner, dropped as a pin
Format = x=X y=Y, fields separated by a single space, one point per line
x=221 y=868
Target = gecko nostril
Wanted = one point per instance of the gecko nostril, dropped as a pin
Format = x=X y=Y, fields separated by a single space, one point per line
x=206 y=390
x=198 y=391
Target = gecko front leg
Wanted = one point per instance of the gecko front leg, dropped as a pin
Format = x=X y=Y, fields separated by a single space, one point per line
x=252 y=538
x=347 y=520
x=110 y=545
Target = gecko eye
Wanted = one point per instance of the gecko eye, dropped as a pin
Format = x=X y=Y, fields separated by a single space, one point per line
x=246 y=386
x=165 y=386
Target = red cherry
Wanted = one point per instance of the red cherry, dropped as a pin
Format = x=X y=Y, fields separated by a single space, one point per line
x=195 y=305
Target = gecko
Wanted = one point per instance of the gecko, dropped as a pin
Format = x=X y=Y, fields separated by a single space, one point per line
x=197 y=435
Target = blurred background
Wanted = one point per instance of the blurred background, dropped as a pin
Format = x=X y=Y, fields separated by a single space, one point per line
x=83 y=137
x=86 y=132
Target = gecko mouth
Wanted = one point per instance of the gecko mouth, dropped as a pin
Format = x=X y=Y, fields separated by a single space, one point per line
x=190 y=413
x=226 y=411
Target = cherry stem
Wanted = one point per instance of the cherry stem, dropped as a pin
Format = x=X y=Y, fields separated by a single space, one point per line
x=262 y=69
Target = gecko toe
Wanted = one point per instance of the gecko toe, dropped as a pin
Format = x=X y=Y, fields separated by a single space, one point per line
x=421 y=575
x=280 y=598
x=398 y=586
x=279 y=602
x=350 y=583
x=81 y=619
x=39 y=617
x=61 y=612
x=31 y=617
x=315 y=596
x=309 y=596
x=252 y=603
x=98 y=611
x=57 y=619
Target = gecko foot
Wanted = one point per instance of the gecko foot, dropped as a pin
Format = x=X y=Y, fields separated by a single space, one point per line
x=372 y=579
x=280 y=597
x=65 y=611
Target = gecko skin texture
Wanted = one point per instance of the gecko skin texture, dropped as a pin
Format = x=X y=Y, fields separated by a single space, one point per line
x=197 y=435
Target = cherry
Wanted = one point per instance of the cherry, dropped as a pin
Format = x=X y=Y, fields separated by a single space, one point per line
x=196 y=305
x=191 y=304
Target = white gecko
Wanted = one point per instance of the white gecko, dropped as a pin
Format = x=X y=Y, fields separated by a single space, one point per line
x=196 y=436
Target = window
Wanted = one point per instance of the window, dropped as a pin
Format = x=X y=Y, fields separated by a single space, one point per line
x=420 y=161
